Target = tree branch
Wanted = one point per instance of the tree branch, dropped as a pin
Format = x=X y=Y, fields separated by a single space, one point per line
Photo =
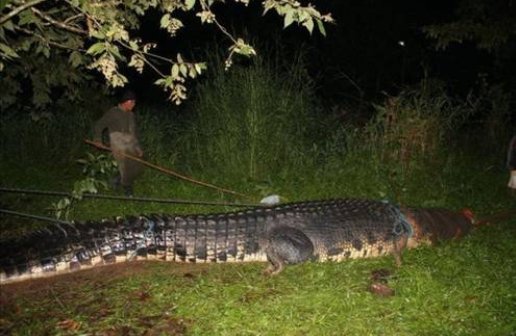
x=205 y=6
x=59 y=24
x=55 y=44
x=17 y=10
x=149 y=63
x=141 y=52
x=71 y=18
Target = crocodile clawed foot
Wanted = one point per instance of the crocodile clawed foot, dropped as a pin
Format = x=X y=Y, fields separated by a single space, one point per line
x=397 y=258
x=272 y=270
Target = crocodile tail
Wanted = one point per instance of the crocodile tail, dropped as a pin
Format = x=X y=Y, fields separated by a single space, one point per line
x=63 y=248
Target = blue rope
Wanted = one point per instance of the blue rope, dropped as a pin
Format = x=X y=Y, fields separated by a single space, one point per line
x=150 y=230
x=401 y=223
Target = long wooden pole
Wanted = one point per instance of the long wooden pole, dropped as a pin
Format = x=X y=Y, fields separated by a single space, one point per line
x=166 y=171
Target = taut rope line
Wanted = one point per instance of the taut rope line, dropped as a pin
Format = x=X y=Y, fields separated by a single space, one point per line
x=130 y=199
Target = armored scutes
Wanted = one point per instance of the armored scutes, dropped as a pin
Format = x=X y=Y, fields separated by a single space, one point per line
x=335 y=229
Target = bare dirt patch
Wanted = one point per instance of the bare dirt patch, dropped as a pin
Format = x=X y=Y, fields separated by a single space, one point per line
x=96 y=277
x=80 y=300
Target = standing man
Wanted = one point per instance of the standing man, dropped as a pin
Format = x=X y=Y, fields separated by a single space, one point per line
x=119 y=121
x=511 y=163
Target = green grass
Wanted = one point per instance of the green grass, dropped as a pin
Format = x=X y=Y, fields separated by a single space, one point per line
x=460 y=288
x=254 y=130
x=252 y=122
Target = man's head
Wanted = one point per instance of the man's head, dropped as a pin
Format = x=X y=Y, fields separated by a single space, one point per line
x=128 y=100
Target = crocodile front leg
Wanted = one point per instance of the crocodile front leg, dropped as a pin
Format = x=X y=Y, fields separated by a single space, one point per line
x=286 y=245
x=399 y=245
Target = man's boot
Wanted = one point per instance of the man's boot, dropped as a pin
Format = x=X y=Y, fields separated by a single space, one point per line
x=128 y=189
x=116 y=183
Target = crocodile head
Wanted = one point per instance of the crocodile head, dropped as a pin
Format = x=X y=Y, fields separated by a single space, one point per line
x=432 y=225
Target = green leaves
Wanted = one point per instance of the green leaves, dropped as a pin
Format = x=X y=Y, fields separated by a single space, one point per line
x=242 y=48
x=61 y=207
x=292 y=11
x=97 y=48
x=206 y=16
x=137 y=62
x=172 y=25
x=60 y=29
x=96 y=170
x=165 y=20
x=76 y=59
x=189 y=4
x=108 y=66
x=321 y=28
x=99 y=35
x=489 y=26
x=116 y=32
x=8 y=25
x=7 y=52
x=3 y=3
x=309 y=24
x=26 y=18
x=97 y=165
x=179 y=72
x=289 y=18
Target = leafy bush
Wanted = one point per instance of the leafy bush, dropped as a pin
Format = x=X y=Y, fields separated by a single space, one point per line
x=413 y=124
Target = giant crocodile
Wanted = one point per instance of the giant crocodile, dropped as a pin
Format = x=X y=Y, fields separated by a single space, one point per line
x=292 y=233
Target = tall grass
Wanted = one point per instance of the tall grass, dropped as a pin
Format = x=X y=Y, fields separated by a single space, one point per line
x=412 y=152
x=259 y=129
x=43 y=136
x=415 y=124
x=251 y=122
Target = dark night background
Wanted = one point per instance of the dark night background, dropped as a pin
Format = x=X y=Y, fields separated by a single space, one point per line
x=361 y=57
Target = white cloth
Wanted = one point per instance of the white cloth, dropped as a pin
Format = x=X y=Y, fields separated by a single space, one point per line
x=271 y=200
x=512 y=180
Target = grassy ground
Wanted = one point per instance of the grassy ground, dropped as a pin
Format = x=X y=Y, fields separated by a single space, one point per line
x=457 y=288
x=460 y=288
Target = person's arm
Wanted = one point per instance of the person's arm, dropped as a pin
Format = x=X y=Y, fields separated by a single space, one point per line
x=139 y=151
